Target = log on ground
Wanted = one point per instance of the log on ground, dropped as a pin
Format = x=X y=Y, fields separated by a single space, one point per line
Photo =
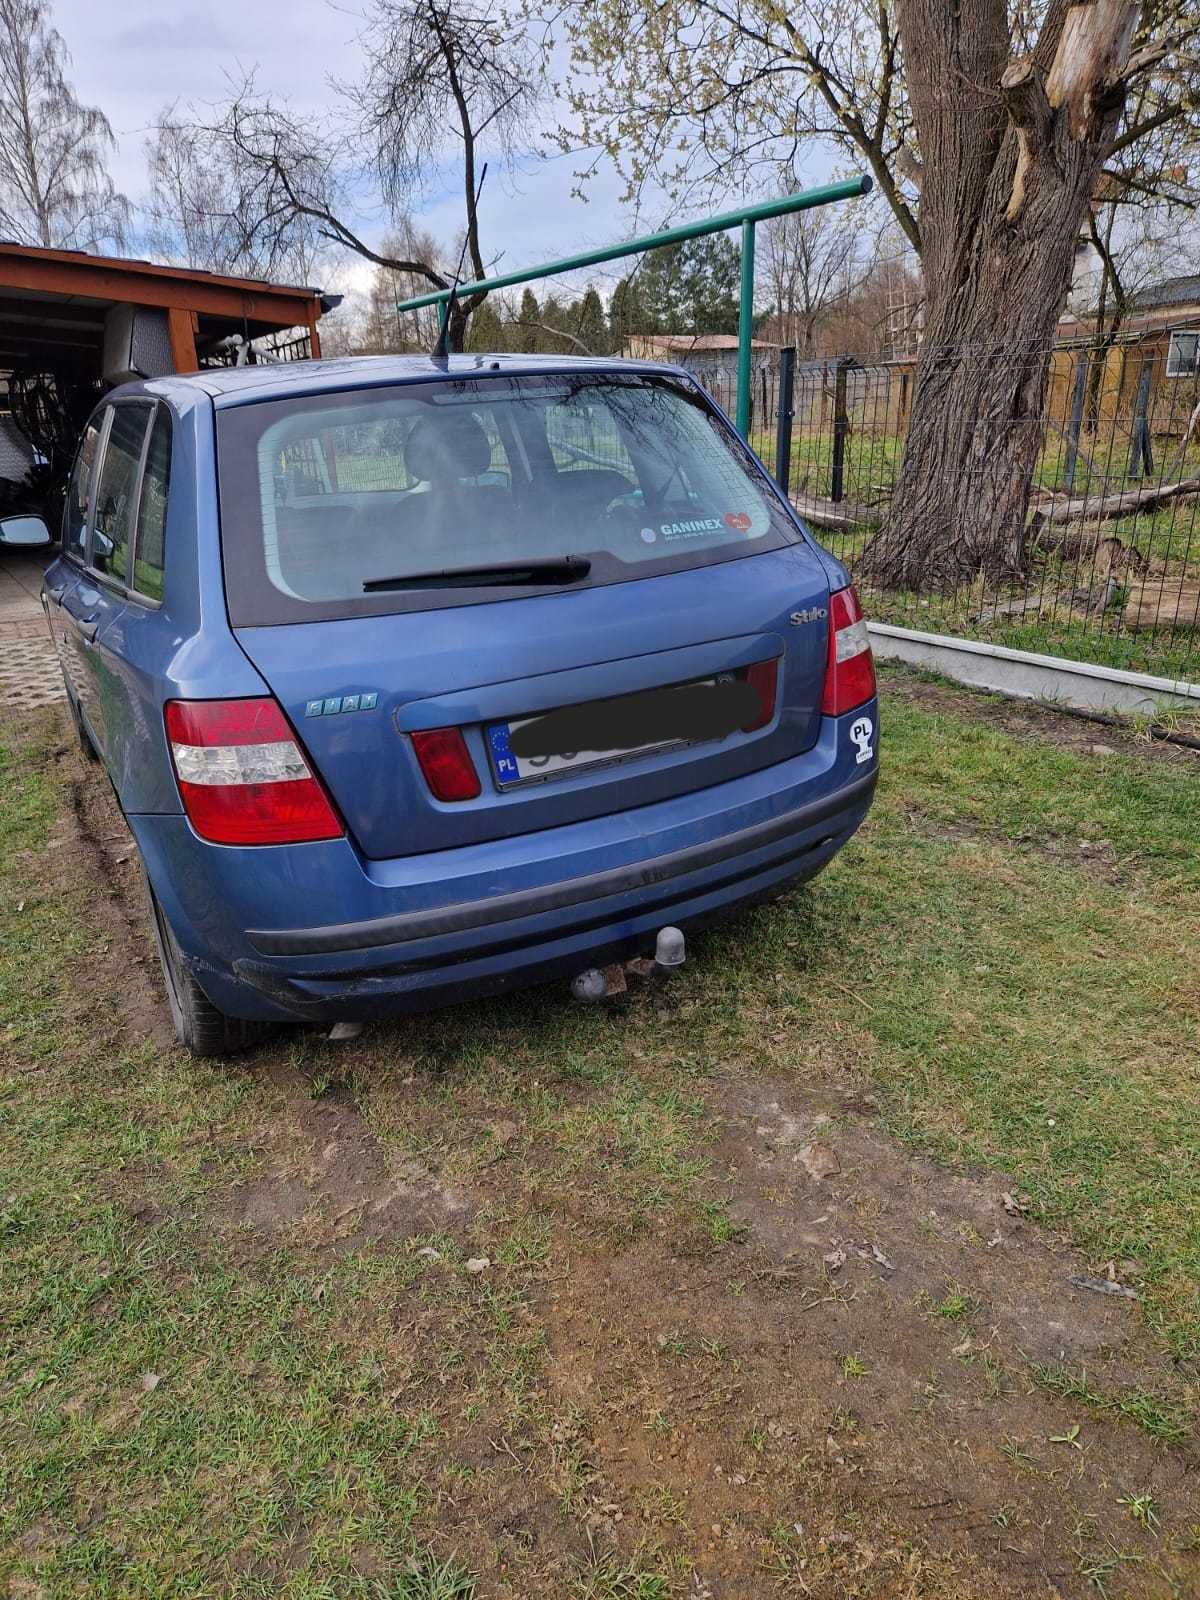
x=842 y=516
x=1051 y=509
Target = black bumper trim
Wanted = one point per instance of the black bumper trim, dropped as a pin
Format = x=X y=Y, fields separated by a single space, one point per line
x=407 y=927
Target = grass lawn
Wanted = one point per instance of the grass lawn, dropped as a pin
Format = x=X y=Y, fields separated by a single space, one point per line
x=1042 y=1012
x=756 y=1283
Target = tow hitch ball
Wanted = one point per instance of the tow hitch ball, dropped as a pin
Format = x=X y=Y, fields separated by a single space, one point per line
x=670 y=953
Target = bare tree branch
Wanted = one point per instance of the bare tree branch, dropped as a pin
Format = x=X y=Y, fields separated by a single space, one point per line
x=258 y=182
x=556 y=333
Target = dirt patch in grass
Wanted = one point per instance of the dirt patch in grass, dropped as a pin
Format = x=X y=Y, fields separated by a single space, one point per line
x=320 y=1167
x=819 y=1189
x=852 y=1381
x=323 y=1177
x=1096 y=741
x=1094 y=858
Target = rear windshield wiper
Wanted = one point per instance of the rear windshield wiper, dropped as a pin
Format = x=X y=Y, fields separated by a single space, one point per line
x=537 y=570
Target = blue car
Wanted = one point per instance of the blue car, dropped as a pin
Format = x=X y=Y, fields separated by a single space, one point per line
x=419 y=680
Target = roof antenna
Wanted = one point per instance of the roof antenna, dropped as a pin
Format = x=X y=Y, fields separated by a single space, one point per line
x=441 y=348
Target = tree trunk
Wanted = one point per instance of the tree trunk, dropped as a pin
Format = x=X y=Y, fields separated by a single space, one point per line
x=1010 y=154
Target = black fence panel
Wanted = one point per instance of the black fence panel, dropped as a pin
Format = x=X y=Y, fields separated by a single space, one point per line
x=1111 y=567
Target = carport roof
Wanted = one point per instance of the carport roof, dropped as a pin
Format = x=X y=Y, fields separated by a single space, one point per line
x=128 y=268
x=52 y=301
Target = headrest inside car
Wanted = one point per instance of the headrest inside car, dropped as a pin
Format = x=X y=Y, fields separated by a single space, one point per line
x=447 y=446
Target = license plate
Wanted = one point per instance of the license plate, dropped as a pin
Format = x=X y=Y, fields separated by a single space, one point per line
x=510 y=768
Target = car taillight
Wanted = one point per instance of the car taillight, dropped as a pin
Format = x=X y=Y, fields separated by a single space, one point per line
x=849 y=666
x=763 y=678
x=242 y=777
x=446 y=763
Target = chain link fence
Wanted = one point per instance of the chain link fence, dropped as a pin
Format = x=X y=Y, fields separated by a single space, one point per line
x=1111 y=566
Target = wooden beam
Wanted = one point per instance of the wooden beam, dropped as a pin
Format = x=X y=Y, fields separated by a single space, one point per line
x=154 y=269
x=94 y=278
x=1164 y=600
x=314 y=338
x=51 y=313
x=181 y=330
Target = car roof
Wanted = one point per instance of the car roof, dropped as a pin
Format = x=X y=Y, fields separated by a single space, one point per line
x=232 y=386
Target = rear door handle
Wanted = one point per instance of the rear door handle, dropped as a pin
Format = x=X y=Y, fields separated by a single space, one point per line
x=88 y=630
x=56 y=594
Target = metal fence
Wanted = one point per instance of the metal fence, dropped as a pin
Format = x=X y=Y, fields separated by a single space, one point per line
x=1111 y=569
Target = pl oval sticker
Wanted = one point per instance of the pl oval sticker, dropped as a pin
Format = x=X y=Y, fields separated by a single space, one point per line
x=861 y=734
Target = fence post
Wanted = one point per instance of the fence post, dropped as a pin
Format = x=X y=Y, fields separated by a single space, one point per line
x=1140 y=454
x=745 y=330
x=1082 y=365
x=841 y=427
x=783 y=423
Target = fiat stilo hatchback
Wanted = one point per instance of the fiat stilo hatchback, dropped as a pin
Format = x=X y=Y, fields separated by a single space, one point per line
x=419 y=680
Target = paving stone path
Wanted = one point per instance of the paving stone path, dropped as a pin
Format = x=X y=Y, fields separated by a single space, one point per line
x=29 y=669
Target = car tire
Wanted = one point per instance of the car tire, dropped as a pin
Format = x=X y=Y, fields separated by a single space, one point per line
x=201 y=1027
x=85 y=744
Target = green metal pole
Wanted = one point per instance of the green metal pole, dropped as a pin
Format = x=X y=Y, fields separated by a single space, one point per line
x=745 y=330
x=831 y=192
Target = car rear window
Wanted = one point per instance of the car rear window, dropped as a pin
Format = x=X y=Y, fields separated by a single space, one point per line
x=323 y=494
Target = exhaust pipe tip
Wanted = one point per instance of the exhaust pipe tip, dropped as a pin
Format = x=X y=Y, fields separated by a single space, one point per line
x=590 y=986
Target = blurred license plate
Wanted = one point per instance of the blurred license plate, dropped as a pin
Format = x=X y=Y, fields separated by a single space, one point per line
x=512 y=768
x=649 y=719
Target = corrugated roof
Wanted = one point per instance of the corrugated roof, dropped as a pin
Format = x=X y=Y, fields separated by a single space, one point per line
x=1182 y=291
x=697 y=341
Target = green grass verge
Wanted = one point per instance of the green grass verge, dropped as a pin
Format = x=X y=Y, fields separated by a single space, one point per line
x=1026 y=1012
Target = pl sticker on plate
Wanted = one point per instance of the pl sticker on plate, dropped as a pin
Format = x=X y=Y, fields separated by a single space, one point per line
x=508 y=769
x=861 y=733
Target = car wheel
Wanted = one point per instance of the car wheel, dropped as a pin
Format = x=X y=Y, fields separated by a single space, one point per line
x=85 y=744
x=201 y=1027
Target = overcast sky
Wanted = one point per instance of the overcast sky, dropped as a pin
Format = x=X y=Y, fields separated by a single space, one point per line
x=132 y=59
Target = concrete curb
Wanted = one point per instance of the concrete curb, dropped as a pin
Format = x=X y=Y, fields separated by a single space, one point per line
x=1031 y=677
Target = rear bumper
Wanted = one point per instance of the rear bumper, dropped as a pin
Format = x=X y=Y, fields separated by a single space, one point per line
x=791 y=835
x=315 y=932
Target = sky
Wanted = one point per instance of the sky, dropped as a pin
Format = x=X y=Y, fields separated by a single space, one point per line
x=133 y=59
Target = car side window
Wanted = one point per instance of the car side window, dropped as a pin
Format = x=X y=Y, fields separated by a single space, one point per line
x=152 y=510
x=112 y=520
x=75 y=513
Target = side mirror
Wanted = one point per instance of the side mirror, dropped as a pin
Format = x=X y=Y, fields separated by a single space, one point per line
x=27 y=533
